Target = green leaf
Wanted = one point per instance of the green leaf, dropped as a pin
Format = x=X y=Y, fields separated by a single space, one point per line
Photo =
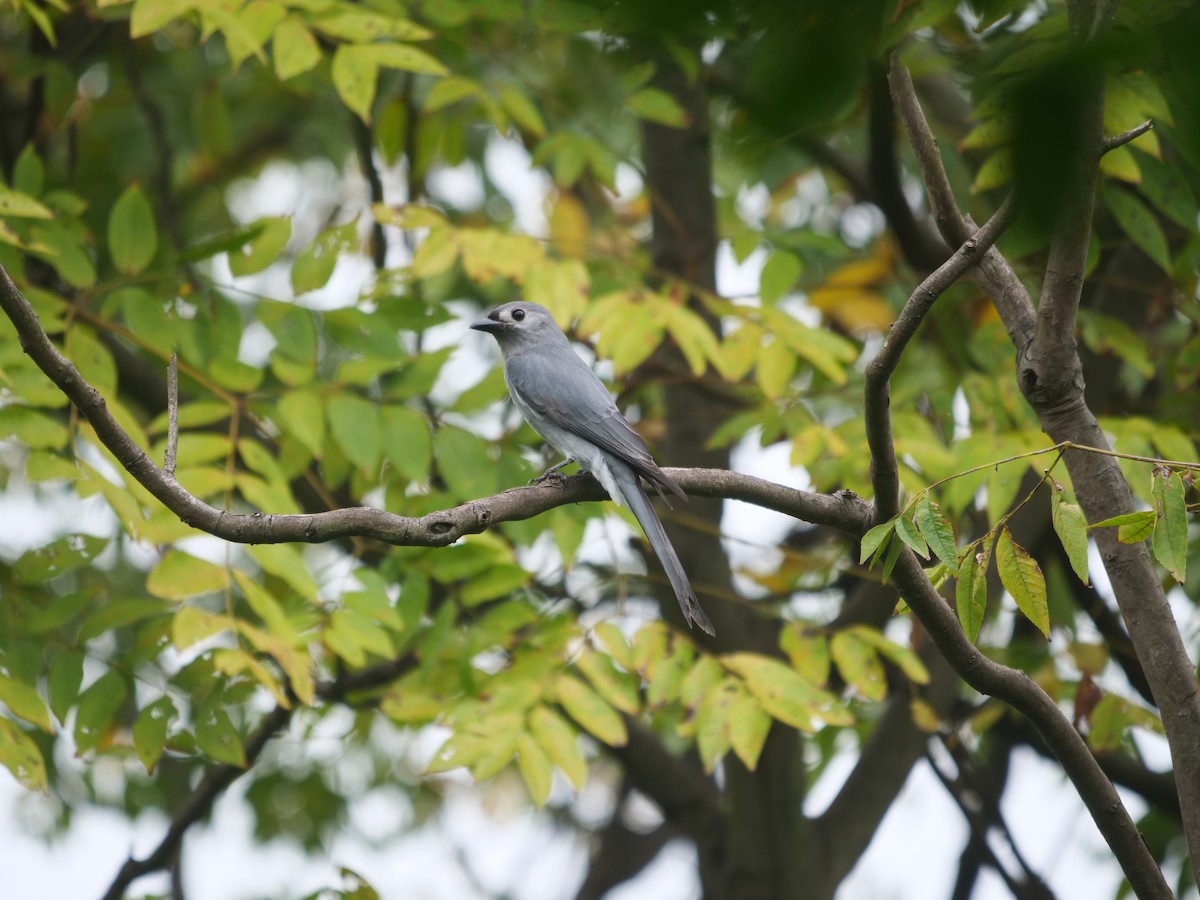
x=66 y=675
x=1022 y=577
x=354 y=425
x=19 y=754
x=560 y=741
x=34 y=429
x=970 y=593
x=523 y=110
x=407 y=441
x=590 y=711
x=294 y=48
x=1132 y=527
x=658 y=106
x=254 y=255
x=535 y=769
x=712 y=722
x=97 y=707
x=132 y=236
x=807 y=652
x=1140 y=224
x=179 y=575
x=859 y=664
x=465 y=462
x=23 y=701
x=150 y=731
x=302 y=415
x=774 y=370
x=908 y=532
x=1170 y=542
x=875 y=539
x=216 y=735
x=313 y=268
x=1071 y=527
x=937 y=531
x=779 y=275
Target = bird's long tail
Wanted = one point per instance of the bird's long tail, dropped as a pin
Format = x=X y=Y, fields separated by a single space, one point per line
x=639 y=505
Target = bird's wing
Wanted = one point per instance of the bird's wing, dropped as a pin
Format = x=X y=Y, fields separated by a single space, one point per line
x=561 y=387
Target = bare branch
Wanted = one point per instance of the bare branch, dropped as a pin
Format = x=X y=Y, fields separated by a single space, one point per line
x=1119 y=140
x=994 y=273
x=884 y=471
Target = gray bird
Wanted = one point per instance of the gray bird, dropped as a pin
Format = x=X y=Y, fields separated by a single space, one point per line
x=563 y=400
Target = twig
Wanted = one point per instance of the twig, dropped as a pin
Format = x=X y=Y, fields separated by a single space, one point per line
x=364 y=145
x=1118 y=140
x=172 y=416
x=884 y=470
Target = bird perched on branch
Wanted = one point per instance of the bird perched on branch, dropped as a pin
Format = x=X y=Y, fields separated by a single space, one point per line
x=564 y=402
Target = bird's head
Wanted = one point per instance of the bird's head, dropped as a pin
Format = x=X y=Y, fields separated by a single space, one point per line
x=518 y=324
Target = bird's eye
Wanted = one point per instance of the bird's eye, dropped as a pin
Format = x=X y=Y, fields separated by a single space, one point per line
x=518 y=315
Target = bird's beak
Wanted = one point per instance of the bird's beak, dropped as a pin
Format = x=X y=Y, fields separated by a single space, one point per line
x=486 y=324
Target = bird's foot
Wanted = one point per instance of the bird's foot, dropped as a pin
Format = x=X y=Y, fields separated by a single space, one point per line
x=552 y=474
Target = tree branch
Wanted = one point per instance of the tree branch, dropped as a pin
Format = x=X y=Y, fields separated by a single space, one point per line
x=884 y=471
x=1119 y=140
x=199 y=803
x=997 y=277
x=1018 y=690
x=843 y=510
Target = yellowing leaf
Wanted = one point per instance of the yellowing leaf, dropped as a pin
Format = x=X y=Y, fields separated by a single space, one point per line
x=775 y=368
x=179 y=575
x=560 y=741
x=19 y=754
x=1120 y=163
x=535 y=769
x=23 y=701
x=487 y=254
x=354 y=72
x=1022 y=577
x=561 y=286
x=657 y=106
x=853 y=308
x=587 y=708
x=693 y=336
x=784 y=694
x=568 y=225
x=858 y=664
x=995 y=172
x=1132 y=527
x=294 y=48
x=748 y=726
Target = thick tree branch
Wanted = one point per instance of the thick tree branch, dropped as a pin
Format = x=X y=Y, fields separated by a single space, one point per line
x=843 y=510
x=884 y=471
x=1019 y=691
x=997 y=277
x=1054 y=389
